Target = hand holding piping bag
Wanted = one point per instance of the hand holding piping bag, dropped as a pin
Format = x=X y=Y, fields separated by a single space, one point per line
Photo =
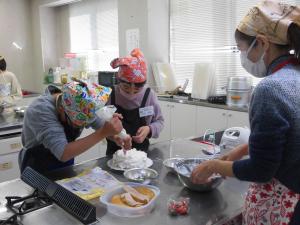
x=122 y=139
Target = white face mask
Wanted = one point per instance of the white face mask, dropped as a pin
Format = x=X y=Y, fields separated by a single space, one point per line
x=127 y=95
x=257 y=69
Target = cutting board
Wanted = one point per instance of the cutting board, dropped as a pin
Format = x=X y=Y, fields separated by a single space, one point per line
x=203 y=80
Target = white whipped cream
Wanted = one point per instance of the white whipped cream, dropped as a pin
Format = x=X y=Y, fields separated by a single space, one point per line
x=130 y=159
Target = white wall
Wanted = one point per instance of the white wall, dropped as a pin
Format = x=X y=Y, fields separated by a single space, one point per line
x=151 y=17
x=15 y=17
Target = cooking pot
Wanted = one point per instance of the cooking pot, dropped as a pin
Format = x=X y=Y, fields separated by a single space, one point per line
x=239 y=90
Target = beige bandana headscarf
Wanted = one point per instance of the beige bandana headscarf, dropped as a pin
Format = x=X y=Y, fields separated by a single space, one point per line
x=1 y=57
x=272 y=19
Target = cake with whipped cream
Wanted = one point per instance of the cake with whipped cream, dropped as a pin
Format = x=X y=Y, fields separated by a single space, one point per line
x=129 y=159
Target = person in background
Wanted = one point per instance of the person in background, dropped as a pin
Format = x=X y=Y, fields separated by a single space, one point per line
x=265 y=37
x=10 y=89
x=142 y=117
x=54 y=121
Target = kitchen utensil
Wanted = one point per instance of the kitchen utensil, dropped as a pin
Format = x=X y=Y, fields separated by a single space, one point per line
x=234 y=136
x=184 y=168
x=20 y=111
x=122 y=211
x=141 y=175
x=170 y=163
x=203 y=80
x=238 y=91
x=109 y=163
x=164 y=77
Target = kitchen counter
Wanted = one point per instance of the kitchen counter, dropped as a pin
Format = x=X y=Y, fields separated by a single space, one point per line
x=204 y=103
x=215 y=207
x=9 y=121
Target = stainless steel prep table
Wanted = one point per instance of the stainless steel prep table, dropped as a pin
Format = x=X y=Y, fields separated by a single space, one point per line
x=215 y=207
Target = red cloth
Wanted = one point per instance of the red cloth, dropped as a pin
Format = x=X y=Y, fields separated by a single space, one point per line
x=132 y=68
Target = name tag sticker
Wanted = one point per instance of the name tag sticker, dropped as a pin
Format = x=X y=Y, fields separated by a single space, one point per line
x=146 y=111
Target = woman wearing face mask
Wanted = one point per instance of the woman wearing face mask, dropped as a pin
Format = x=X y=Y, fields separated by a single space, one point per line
x=265 y=37
x=142 y=117
x=10 y=88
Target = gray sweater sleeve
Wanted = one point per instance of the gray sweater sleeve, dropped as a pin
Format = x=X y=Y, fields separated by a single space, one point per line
x=269 y=121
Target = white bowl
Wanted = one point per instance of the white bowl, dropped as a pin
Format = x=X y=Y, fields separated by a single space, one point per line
x=124 y=211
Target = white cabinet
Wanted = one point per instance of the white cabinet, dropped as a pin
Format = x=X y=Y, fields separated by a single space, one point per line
x=94 y=152
x=183 y=120
x=180 y=121
x=10 y=147
x=210 y=118
x=219 y=119
x=165 y=134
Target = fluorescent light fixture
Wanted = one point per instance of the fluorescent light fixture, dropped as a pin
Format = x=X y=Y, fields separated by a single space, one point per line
x=60 y=3
x=17 y=46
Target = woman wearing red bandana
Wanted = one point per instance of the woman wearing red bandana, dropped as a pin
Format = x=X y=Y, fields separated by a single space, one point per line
x=142 y=117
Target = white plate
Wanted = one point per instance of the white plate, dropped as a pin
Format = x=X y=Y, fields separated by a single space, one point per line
x=149 y=163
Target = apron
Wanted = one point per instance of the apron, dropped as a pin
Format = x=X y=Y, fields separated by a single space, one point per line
x=5 y=89
x=272 y=203
x=131 y=122
x=42 y=160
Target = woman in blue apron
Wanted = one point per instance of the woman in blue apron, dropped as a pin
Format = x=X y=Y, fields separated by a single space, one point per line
x=138 y=105
x=265 y=38
x=54 y=121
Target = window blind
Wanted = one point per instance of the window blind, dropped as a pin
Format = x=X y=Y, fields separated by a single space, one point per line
x=203 y=31
x=94 y=32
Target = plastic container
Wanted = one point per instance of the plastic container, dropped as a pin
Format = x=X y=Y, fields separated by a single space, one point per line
x=128 y=211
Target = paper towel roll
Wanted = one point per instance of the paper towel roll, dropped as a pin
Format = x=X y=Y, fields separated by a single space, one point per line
x=203 y=80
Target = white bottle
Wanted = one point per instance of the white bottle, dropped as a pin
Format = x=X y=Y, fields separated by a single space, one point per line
x=56 y=75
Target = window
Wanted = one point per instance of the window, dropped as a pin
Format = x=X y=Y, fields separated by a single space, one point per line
x=203 y=31
x=93 y=28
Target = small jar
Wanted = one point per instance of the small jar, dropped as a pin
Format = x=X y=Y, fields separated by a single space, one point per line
x=64 y=78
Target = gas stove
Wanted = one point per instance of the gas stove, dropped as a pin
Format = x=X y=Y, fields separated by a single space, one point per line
x=45 y=202
x=20 y=206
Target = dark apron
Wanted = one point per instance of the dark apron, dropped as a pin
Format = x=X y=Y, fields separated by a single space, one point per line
x=42 y=160
x=131 y=122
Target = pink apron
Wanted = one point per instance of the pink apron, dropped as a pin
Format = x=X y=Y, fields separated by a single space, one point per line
x=269 y=204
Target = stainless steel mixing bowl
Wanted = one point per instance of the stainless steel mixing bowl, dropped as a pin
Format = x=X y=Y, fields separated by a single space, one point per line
x=184 y=169
x=140 y=175
x=170 y=163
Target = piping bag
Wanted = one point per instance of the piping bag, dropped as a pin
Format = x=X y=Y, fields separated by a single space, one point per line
x=107 y=113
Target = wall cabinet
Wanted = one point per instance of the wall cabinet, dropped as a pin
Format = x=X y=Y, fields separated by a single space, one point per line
x=183 y=120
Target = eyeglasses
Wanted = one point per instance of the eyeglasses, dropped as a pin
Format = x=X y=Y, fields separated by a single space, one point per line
x=128 y=84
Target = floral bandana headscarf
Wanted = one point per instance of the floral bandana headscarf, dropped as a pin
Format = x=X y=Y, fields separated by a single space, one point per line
x=272 y=19
x=81 y=101
x=132 y=68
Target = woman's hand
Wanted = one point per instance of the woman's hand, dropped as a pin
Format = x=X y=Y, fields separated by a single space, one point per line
x=236 y=153
x=141 y=134
x=202 y=172
x=112 y=127
x=125 y=143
